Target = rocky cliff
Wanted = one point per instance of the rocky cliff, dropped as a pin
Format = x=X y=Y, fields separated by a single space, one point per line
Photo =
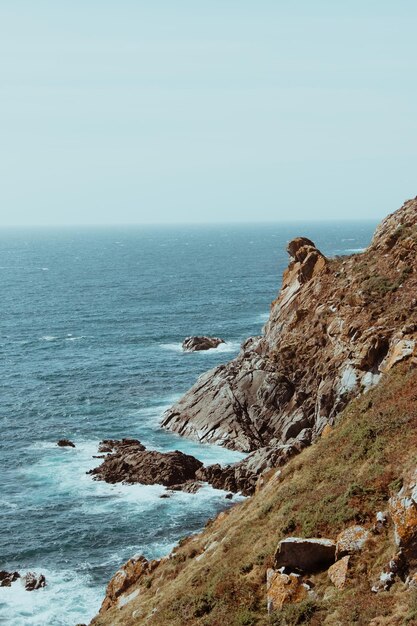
x=331 y=537
x=336 y=327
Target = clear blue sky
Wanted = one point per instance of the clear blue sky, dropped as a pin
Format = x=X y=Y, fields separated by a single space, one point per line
x=130 y=111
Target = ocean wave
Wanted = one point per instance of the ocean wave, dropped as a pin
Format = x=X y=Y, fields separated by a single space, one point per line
x=48 y=338
x=227 y=347
x=72 y=591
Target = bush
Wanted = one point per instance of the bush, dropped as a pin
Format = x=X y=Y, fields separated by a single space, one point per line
x=294 y=614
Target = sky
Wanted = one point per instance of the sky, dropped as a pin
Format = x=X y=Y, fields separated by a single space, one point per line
x=139 y=111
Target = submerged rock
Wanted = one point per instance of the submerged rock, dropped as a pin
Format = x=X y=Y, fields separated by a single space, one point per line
x=130 y=462
x=62 y=443
x=7 y=578
x=195 y=344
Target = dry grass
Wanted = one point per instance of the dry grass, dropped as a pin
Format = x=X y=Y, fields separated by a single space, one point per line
x=217 y=578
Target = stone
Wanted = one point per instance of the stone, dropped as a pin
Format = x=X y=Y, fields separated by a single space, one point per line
x=338 y=572
x=62 y=443
x=129 y=462
x=7 y=578
x=307 y=555
x=34 y=581
x=129 y=574
x=283 y=589
x=195 y=344
x=351 y=540
x=190 y=486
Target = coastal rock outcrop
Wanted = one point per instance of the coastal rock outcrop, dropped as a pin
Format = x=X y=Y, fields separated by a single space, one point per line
x=197 y=343
x=336 y=327
x=34 y=581
x=128 y=461
x=7 y=578
x=65 y=443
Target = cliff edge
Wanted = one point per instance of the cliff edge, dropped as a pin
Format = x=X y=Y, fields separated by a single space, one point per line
x=336 y=327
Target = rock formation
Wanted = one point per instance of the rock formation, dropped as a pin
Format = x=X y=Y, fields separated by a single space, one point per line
x=7 y=578
x=65 y=443
x=336 y=327
x=194 y=344
x=128 y=461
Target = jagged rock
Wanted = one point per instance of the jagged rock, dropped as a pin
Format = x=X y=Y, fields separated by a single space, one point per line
x=62 y=443
x=243 y=476
x=130 y=462
x=380 y=523
x=283 y=589
x=276 y=391
x=34 y=581
x=7 y=578
x=116 y=445
x=130 y=573
x=190 y=486
x=306 y=555
x=194 y=344
x=338 y=572
x=351 y=540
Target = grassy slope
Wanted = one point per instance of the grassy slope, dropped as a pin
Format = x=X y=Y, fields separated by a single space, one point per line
x=345 y=477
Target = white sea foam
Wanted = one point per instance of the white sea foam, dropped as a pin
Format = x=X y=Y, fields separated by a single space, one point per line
x=78 y=600
x=355 y=250
x=48 y=338
x=227 y=347
x=262 y=317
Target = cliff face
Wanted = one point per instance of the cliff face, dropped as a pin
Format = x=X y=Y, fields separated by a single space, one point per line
x=338 y=327
x=335 y=328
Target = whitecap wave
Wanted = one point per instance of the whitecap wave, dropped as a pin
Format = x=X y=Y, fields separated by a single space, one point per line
x=48 y=338
x=227 y=347
x=355 y=250
x=73 y=592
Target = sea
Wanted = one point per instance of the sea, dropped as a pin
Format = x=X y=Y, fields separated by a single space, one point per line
x=91 y=325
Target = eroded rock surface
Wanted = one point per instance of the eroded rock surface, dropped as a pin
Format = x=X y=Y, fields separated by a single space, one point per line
x=128 y=461
x=335 y=328
x=195 y=344
x=65 y=443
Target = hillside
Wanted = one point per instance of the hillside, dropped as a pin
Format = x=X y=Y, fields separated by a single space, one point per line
x=335 y=368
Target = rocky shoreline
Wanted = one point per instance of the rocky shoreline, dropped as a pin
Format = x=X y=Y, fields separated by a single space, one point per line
x=337 y=327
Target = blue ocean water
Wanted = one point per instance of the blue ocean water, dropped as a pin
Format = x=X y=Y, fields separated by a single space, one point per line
x=91 y=325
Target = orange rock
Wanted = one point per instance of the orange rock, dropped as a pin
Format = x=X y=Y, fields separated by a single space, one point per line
x=403 y=510
x=124 y=578
x=283 y=589
x=339 y=571
x=326 y=431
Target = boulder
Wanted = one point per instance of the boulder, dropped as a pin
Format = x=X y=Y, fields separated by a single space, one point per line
x=34 y=581
x=306 y=555
x=130 y=462
x=338 y=572
x=351 y=540
x=7 y=578
x=190 y=486
x=65 y=443
x=130 y=573
x=195 y=344
x=283 y=589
